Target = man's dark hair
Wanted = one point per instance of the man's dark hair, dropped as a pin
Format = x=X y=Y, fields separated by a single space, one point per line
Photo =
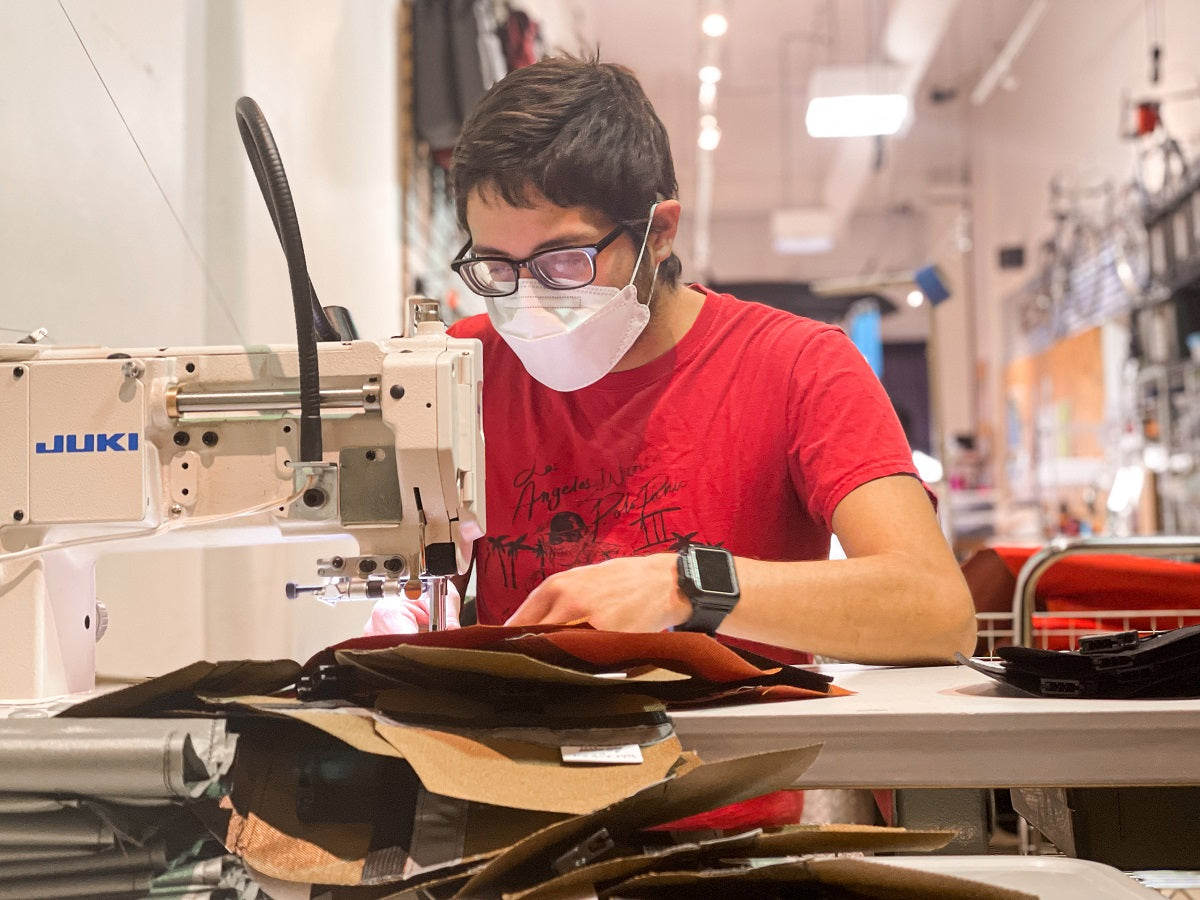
x=579 y=132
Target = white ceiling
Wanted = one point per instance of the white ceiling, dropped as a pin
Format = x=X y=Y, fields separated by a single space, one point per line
x=766 y=160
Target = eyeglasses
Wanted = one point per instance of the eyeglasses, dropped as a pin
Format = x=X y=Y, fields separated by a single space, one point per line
x=559 y=268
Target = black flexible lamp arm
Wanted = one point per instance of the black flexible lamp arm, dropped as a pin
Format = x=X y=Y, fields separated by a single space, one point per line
x=311 y=321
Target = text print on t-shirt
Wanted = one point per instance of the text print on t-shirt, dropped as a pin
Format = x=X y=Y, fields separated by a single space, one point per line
x=562 y=520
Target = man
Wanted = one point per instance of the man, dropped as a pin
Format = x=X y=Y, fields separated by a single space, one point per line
x=630 y=417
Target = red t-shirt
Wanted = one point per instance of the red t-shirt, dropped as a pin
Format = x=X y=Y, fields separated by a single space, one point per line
x=747 y=435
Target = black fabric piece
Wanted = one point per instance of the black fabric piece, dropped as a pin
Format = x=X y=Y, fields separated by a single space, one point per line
x=691 y=690
x=177 y=691
x=1164 y=664
x=339 y=784
x=535 y=718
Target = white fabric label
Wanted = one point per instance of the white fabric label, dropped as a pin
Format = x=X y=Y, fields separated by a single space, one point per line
x=628 y=754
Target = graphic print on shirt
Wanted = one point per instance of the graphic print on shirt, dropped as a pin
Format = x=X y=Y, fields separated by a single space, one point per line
x=562 y=520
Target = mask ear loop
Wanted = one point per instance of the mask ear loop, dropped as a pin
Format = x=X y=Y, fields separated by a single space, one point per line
x=642 y=252
x=646 y=239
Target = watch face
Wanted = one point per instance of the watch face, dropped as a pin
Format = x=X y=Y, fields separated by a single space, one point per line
x=714 y=573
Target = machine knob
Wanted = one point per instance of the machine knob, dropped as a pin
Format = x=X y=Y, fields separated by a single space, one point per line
x=101 y=619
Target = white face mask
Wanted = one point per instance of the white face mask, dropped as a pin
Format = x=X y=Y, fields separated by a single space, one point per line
x=570 y=339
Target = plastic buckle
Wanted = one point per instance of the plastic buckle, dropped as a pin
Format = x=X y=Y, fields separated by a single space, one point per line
x=584 y=853
x=1061 y=687
x=326 y=683
x=1107 y=643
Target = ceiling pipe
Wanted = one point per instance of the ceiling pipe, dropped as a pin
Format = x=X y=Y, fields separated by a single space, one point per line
x=913 y=33
x=1002 y=64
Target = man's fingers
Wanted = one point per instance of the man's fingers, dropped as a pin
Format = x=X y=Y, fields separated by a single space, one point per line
x=392 y=618
x=539 y=608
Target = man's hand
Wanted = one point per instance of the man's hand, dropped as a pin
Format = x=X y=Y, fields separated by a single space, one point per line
x=632 y=593
x=401 y=615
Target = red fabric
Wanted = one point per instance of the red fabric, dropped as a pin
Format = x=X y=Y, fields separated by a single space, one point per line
x=772 y=810
x=519 y=36
x=885 y=802
x=1089 y=584
x=747 y=435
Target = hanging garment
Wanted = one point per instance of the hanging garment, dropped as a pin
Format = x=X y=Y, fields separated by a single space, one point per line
x=520 y=36
x=456 y=57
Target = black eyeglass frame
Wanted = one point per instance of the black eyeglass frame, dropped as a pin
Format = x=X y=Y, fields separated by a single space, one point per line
x=461 y=260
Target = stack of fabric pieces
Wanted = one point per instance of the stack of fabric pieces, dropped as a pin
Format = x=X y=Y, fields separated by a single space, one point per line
x=490 y=761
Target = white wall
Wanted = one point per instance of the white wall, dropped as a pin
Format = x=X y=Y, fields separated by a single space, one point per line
x=88 y=247
x=94 y=250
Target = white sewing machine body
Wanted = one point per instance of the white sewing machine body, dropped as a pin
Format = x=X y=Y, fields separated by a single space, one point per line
x=195 y=446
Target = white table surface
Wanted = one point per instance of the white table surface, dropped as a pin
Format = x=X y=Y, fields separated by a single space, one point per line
x=950 y=726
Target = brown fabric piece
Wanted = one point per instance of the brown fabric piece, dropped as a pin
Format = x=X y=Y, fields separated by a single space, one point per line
x=523 y=775
x=531 y=861
x=786 y=842
x=697 y=655
x=356 y=730
x=855 y=878
x=485 y=768
x=306 y=808
x=688 y=653
x=265 y=830
x=433 y=667
x=471 y=637
x=799 y=839
x=176 y=691
x=609 y=719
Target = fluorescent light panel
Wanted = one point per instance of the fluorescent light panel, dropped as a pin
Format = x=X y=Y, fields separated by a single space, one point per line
x=856 y=101
x=802 y=230
x=856 y=115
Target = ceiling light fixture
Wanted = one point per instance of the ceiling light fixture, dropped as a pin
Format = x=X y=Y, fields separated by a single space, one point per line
x=802 y=230
x=710 y=134
x=714 y=24
x=856 y=101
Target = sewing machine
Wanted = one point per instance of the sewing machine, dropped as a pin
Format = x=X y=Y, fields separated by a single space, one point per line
x=105 y=449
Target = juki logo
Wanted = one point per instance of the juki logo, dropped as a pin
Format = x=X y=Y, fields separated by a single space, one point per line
x=100 y=442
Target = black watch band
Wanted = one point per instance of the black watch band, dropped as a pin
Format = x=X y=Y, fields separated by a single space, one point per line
x=708 y=579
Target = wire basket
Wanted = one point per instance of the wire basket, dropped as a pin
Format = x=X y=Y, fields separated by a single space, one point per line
x=1062 y=629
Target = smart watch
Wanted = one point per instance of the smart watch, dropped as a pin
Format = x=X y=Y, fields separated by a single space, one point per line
x=708 y=579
